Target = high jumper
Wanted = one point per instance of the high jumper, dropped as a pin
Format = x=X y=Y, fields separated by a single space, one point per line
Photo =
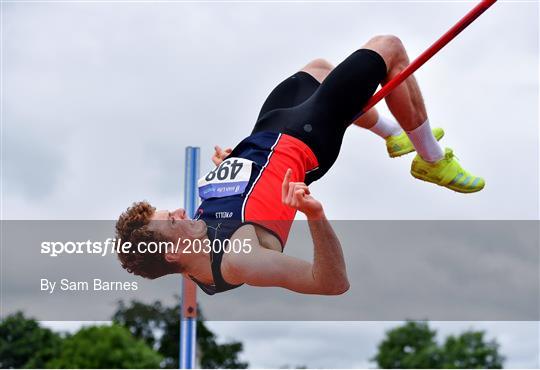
x=256 y=188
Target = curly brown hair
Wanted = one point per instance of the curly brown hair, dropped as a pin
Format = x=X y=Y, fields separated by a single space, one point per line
x=132 y=226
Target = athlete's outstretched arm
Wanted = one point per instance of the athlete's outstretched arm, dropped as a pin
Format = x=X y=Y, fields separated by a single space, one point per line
x=263 y=267
x=328 y=262
x=267 y=268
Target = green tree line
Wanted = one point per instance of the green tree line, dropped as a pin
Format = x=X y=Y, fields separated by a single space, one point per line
x=147 y=336
x=414 y=346
x=140 y=336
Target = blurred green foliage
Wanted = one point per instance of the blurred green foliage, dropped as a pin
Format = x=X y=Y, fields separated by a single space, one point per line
x=141 y=336
x=159 y=327
x=24 y=344
x=414 y=346
x=98 y=347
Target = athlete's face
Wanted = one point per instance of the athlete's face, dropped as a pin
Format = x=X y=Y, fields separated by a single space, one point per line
x=175 y=224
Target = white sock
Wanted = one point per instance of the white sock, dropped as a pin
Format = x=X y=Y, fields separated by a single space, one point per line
x=386 y=127
x=425 y=143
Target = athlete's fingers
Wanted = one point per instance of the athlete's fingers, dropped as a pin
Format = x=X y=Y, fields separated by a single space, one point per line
x=217 y=148
x=224 y=153
x=284 y=188
x=288 y=175
x=295 y=200
x=301 y=185
x=285 y=185
x=299 y=197
x=292 y=203
x=292 y=187
x=216 y=159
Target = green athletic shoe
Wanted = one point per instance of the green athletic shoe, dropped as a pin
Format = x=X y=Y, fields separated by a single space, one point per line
x=447 y=172
x=400 y=145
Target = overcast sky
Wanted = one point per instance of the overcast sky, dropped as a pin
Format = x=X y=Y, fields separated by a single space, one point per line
x=101 y=98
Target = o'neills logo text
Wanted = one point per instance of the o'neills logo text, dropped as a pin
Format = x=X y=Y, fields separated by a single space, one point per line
x=224 y=214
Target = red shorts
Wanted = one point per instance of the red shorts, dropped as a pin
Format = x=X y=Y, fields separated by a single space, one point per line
x=263 y=204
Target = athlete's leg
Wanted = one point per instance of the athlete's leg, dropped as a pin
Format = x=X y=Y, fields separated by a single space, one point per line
x=297 y=88
x=384 y=127
x=371 y=120
x=407 y=105
x=395 y=57
x=368 y=119
x=396 y=140
x=291 y=92
x=321 y=120
x=405 y=101
x=318 y=68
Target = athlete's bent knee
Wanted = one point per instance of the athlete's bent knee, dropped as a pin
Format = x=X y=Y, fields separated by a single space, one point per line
x=319 y=63
x=318 y=68
x=389 y=47
x=391 y=42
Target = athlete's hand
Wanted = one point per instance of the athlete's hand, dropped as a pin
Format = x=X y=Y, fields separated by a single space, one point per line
x=297 y=195
x=220 y=155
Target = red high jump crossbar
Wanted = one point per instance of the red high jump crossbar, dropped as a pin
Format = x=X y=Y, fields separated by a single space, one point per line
x=426 y=55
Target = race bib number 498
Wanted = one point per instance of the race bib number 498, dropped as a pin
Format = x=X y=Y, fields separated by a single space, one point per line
x=229 y=178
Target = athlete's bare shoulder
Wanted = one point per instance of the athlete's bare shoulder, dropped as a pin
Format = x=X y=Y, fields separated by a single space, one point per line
x=254 y=237
x=262 y=236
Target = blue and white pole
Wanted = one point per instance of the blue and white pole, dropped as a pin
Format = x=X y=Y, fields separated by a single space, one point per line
x=188 y=314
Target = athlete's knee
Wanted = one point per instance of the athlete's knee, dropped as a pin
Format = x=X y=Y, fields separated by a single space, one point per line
x=318 y=68
x=319 y=63
x=390 y=47
x=387 y=41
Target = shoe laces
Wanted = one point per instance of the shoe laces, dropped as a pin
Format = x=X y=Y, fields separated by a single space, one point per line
x=449 y=154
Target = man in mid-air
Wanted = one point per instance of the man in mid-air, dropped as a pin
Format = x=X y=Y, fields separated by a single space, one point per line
x=255 y=190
